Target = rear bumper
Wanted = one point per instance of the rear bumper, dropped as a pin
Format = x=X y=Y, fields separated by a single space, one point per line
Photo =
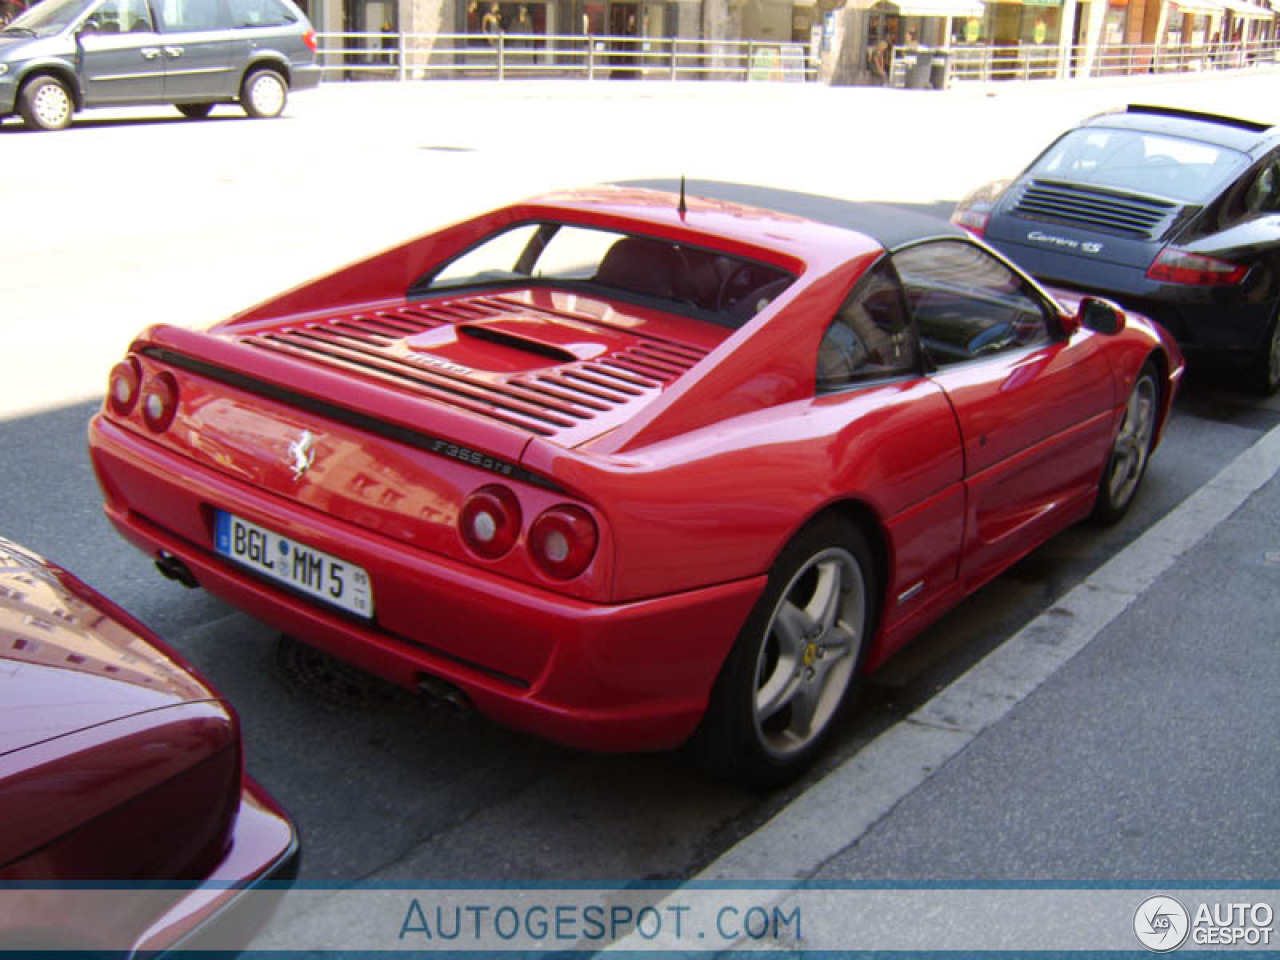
x=631 y=676
x=305 y=77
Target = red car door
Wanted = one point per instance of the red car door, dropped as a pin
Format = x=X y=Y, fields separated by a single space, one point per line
x=1034 y=410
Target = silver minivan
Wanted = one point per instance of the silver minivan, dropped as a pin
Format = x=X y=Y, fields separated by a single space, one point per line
x=65 y=55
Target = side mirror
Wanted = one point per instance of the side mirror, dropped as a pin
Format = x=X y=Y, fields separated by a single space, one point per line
x=1100 y=316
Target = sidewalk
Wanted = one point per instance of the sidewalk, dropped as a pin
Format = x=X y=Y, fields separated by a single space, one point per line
x=1083 y=703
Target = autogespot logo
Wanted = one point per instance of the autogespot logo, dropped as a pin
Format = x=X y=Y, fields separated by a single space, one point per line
x=1161 y=924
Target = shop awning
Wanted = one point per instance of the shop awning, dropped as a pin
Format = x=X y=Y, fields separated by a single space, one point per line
x=1198 y=6
x=1245 y=10
x=941 y=8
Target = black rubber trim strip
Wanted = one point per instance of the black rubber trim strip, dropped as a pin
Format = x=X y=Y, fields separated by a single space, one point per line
x=353 y=418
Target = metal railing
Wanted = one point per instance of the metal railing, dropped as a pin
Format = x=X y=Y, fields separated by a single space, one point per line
x=1044 y=62
x=418 y=56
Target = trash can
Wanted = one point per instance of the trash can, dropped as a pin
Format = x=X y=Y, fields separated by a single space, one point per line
x=920 y=72
x=938 y=71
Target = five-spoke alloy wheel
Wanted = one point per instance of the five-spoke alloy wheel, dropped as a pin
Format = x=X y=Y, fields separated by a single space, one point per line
x=1131 y=450
x=796 y=657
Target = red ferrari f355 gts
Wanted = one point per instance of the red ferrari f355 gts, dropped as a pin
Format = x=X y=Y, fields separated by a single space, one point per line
x=624 y=467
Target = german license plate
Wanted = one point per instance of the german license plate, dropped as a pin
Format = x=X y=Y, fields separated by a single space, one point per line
x=311 y=571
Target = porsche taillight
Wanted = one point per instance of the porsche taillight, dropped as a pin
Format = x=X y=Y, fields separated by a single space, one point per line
x=122 y=386
x=1195 y=269
x=972 y=220
x=159 y=401
x=563 y=540
x=490 y=521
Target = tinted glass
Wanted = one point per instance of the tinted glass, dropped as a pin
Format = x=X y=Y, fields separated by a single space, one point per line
x=729 y=289
x=870 y=338
x=259 y=13
x=183 y=15
x=967 y=304
x=1150 y=163
x=121 y=16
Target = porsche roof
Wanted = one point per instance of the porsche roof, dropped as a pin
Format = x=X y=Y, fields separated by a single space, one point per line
x=1217 y=129
x=891 y=227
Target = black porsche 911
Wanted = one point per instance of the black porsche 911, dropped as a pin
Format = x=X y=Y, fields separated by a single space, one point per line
x=1171 y=213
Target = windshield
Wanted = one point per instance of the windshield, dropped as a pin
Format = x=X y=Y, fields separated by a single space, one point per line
x=1188 y=171
x=49 y=17
x=730 y=289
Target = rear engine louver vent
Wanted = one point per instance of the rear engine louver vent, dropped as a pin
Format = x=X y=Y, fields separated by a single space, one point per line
x=1116 y=213
x=545 y=401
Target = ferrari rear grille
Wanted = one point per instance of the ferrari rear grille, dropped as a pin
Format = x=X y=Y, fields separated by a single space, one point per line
x=544 y=401
x=1116 y=213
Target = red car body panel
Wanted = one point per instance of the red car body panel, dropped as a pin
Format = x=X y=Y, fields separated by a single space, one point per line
x=119 y=765
x=698 y=450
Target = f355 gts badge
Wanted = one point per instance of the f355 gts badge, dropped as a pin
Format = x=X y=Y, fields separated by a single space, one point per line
x=302 y=454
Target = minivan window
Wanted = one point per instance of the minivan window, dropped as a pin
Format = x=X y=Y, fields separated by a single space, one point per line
x=259 y=13
x=120 y=16
x=183 y=15
x=50 y=17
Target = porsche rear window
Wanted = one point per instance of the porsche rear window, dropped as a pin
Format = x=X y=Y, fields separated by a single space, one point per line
x=689 y=278
x=1189 y=171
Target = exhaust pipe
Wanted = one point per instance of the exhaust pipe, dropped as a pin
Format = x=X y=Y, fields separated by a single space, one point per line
x=172 y=568
x=442 y=693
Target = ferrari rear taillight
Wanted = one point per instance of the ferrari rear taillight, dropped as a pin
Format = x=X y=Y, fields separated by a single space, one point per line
x=122 y=386
x=1195 y=269
x=309 y=38
x=490 y=521
x=563 y=541
x=160 y=401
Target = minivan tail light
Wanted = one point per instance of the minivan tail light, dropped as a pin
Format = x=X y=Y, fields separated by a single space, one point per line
x=563 y=541
x=1195 y=269
x=309 y=38
x=122 y=386
x=160 y=401
x=490 y=521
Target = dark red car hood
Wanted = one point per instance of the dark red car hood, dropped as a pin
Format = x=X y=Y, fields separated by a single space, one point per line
x=70 y=660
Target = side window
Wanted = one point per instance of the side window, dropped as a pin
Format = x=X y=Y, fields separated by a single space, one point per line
x=870 y=338
x=966 y=303
x=259 y=13
x=1263 y=195
x=121 y=16
x=181 y=16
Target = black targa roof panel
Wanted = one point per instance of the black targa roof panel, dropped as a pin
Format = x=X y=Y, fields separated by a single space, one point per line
x=891 y=227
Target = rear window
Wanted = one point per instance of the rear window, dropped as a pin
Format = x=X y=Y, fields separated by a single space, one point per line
x=1188 y=171
x=724 y=288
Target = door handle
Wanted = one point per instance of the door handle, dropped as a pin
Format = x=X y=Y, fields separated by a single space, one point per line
x=150 y=53
x=173 y=52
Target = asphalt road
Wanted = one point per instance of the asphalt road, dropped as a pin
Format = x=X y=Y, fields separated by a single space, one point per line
x=133 y=218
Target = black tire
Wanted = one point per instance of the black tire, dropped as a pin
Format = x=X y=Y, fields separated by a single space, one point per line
x=46 y=104
x=795 y=660
x=264 y=93
x=194 y=111
x=1264 y=376
x=1131 y=451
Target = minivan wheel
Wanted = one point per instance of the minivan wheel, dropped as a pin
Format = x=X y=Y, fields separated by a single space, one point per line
x=264 y=93
x=46 y=104
x=194 y=111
